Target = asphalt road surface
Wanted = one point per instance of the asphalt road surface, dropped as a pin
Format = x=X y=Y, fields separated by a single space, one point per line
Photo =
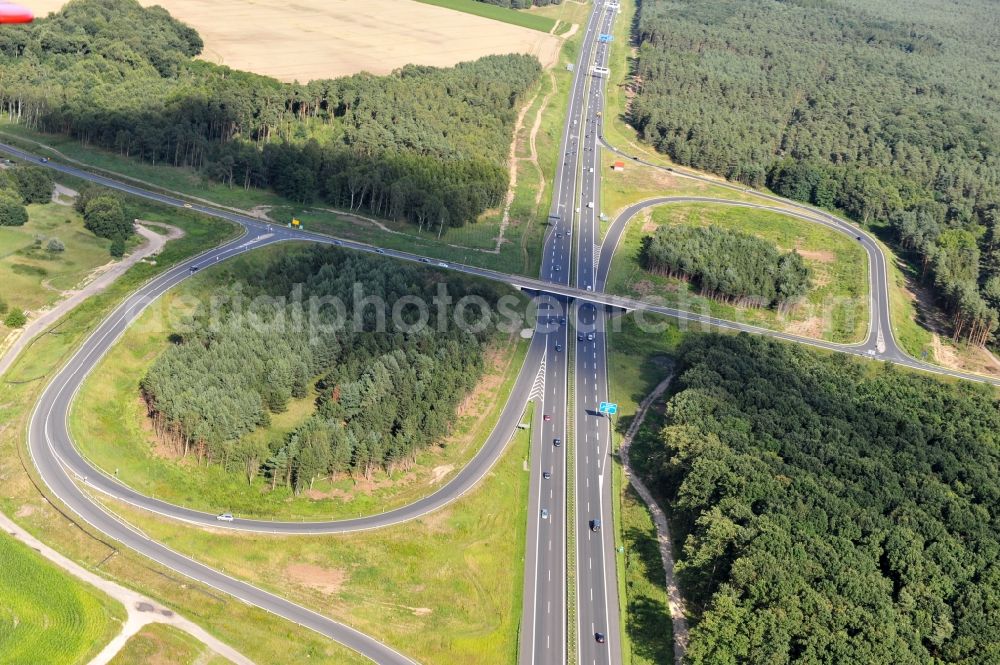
x=597 y=610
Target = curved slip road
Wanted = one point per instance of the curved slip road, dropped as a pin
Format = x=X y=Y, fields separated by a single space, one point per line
x=878 y=295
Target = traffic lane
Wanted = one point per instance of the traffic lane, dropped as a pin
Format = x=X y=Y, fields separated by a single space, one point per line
x=629 y=304
x=592 y=573
x=595 y=611
x=549 y=592
x=877 y=262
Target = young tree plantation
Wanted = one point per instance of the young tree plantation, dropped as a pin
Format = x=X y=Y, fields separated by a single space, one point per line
x=726 y=264
x=381 y=394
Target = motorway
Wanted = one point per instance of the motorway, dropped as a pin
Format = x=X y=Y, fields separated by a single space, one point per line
x=544 y=377
x=597 y=610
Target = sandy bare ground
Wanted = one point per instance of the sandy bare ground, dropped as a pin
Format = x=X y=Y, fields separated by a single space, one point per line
x=141 y=610
x=316 y=39
x=674 y=599
x=99 y=280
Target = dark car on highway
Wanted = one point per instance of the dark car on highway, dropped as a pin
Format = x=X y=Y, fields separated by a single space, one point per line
x=599 y=637
x=556 y=442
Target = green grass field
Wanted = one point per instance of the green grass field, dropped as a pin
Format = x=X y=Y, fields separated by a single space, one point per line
x=47 y=616
x=110 y=426
x=443 y=589
x=513 y=16
x=32 y=277
x=158 y=643
x=836 y=307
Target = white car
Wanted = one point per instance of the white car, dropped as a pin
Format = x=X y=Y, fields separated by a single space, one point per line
x=545 y=513
x=225 y=517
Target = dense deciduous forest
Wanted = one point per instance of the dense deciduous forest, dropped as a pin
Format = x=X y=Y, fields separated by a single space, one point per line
x=382 y=394
x=831 y=512
x=737 y=267
x=424 y=144
x=888 y=110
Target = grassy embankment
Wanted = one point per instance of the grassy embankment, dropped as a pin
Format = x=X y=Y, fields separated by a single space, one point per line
x=47 y=616
x=637 y=362
x=109 y=423
x=523 y=19
x=836 y=307
x=158 y=643
x=33 y=277
x=620 y=189
x=261 y=636
x=445 y=588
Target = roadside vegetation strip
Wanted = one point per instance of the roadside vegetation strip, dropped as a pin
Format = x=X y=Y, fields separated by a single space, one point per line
x=111 y=428
x=46 y=616
x=647 y=621
x=835 y=308
x=522 y=18
x=637 y=363
x=640 y=182
x=445 y=588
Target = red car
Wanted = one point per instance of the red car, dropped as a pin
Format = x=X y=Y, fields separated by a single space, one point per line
x=546 y=417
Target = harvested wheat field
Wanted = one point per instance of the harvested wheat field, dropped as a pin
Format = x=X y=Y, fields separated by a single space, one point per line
x=311 y=39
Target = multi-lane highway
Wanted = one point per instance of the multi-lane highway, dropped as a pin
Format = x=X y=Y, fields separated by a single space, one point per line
x=597 y=611
x=574 y=268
